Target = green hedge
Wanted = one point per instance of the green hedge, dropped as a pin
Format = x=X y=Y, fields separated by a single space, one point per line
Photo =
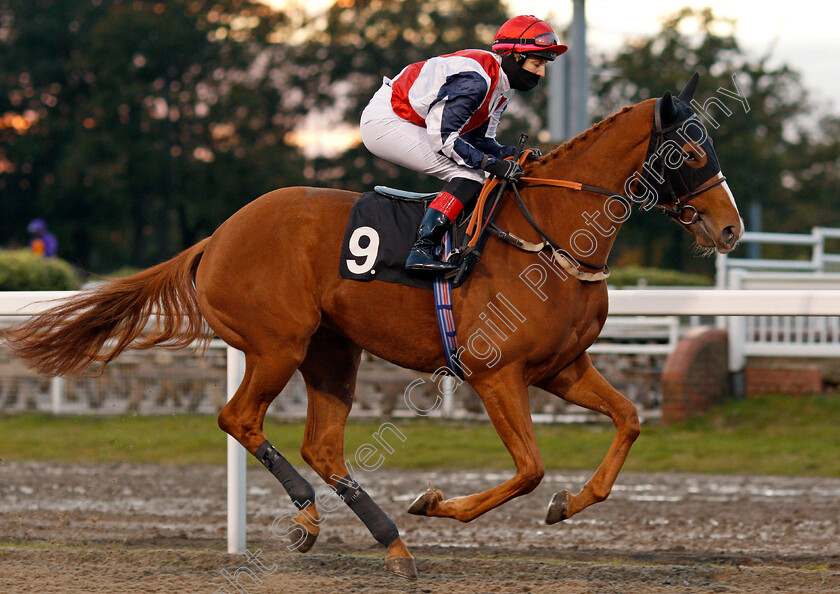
x=629 y=276
x=21 y=270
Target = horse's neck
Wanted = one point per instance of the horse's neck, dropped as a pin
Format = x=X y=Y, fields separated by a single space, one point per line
x=605 y=156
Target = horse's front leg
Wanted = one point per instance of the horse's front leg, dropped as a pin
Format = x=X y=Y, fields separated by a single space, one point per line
x=505 y=397
x=581 y=384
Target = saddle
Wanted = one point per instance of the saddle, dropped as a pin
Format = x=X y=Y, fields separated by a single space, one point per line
x=381 y=231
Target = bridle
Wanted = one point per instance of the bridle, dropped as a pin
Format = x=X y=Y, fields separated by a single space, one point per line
x=680 y=203
x=677 y=210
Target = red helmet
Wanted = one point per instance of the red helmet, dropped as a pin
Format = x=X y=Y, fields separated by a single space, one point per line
x=526 y=34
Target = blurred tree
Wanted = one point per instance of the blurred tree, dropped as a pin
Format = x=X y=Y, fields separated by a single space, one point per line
x=136 y=127
x=812 y=180
x=762 y=152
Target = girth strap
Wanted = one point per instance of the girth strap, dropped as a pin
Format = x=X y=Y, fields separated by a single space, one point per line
x=445 y=315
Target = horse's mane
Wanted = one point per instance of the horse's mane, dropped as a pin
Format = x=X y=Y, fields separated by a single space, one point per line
x=584 y=136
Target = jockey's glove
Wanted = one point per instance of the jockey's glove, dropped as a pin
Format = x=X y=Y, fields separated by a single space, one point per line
x=535 y=154
x=509 y=170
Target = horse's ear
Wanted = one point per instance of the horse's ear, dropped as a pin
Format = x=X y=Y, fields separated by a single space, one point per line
x=667 y=110
x=687 y=94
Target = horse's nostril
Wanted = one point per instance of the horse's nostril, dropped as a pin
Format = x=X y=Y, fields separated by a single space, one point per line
x=728 y=235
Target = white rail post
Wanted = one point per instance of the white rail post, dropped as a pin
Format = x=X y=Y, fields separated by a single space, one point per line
x=737 y=338
x=448 y=396
x=236 y=461
x=58 y=387
x=721 y=271
x=721 y=278
x=818 y=255
x=674 y=330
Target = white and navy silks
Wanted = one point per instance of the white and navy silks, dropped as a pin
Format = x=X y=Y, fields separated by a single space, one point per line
x=440 y=116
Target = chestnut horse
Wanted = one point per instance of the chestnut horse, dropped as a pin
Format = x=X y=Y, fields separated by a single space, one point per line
x=267 y=283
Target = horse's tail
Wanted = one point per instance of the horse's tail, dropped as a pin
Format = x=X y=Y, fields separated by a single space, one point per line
x=101 y=322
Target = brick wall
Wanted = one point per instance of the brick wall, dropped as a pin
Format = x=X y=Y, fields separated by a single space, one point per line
x=784 y=379
x=695 y=374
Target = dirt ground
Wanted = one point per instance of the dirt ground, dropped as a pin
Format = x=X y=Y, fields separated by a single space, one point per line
x=134 y=528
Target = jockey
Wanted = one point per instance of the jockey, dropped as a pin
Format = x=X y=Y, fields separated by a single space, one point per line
x=440 y=117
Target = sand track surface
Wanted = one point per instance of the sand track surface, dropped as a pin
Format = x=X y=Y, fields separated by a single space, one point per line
x=144 y=528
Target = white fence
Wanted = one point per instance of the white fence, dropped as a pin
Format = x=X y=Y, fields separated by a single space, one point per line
x=779 y=335
x=620 y=336
x=744 y=302
x=820 y=260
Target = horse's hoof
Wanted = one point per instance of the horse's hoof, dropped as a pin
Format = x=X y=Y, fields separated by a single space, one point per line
x=557 y=508
x=424 y=502
x=307 y=543
x=402 y=566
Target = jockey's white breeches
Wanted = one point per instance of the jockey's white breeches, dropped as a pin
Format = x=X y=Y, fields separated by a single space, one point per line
x=399 y=141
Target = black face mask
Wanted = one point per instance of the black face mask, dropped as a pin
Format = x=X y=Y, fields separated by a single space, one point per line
x=520 y=79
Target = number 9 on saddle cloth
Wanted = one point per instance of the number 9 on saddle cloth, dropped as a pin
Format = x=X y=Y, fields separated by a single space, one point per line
x=380 y=233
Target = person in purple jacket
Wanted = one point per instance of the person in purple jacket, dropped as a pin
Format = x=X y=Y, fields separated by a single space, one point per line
x=42 y=242
x=440 y=117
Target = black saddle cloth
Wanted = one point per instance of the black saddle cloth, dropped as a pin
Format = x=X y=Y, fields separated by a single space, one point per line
x=380 y=232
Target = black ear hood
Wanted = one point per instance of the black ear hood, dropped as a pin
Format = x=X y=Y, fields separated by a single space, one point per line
x=670 y=109
x=687 y=94
x=677 y=131
x=666 y=110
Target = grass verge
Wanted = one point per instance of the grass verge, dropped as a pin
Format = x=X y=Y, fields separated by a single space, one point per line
x=773 y=434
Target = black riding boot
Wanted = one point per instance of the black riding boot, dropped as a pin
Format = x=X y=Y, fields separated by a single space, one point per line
x=457 y=194
x=429 y=235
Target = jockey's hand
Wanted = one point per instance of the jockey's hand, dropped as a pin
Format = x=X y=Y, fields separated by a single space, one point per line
x=509 y=170
x=535 y=154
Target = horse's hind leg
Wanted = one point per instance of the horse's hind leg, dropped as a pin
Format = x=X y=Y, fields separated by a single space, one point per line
x=581 y=384
x=243 y=416
x=330 y=372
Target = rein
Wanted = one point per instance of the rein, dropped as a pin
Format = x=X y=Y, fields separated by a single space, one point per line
x=561 y=256
x=676 y=211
